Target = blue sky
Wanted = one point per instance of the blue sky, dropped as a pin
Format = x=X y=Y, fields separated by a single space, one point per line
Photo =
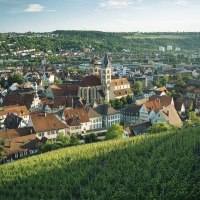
x=103 y=15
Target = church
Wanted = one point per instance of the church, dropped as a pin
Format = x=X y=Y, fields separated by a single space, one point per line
x=99 y=86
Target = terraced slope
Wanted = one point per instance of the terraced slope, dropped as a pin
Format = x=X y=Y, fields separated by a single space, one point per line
x=165 y=166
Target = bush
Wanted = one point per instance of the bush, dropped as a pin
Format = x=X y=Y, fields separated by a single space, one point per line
x=91 y=138
x=114 y=132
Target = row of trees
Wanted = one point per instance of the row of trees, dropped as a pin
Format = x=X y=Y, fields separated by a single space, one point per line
x=119 y=103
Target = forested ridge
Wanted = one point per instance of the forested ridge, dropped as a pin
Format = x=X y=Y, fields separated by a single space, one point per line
x=160 y=166
x=100 y=41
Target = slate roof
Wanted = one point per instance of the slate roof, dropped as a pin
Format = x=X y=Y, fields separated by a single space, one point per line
x=92 y=113
x=131 y=109
x=138 y=129
x=105 y=110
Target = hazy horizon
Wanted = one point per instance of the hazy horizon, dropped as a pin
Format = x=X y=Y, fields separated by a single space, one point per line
x=100 y=15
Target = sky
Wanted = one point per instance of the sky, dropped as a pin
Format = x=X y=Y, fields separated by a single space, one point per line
x=100 y=15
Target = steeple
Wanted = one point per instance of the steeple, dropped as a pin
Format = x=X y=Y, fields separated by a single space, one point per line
x=106 y=62
x=106 y=73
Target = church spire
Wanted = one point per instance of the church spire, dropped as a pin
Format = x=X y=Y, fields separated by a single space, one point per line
x=106 y=62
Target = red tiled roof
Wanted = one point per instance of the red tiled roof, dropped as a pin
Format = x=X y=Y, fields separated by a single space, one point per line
x=155 y=105
x=19 y=144
x=163 y=100
x=90 y=81
x=171 y=116
x=79 y=115
x=19 y=110
x=119 y=81
x=22 y=100
x=46 y=121
x=59 y=90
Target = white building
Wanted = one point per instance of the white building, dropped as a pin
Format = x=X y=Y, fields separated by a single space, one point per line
x=169 y=48
x=161 y=49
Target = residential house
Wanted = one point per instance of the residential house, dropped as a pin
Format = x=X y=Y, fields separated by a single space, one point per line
x=77 y=120
x=95 y=119
x=30 y=100
x=109 y=115
x=163 y=100
x=47 y=125
x=54 y=91
x=148 y=110
x=14 y=117
x=131 y=114
x=169 y=115
x=180 y=108
x=137 y=129
x=193 y=92
x=47 y=78
x=18 y=143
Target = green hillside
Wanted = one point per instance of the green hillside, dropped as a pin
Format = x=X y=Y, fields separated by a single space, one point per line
x=165 y=166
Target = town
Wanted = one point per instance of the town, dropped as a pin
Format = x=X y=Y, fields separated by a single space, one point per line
x=47 y=97
x=45 y=103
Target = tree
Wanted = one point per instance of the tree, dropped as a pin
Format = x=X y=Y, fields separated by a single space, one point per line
x=74 y=140
x=112 y=103
x=164 y=80
x=114 y=132
x=2 y=82
x=129 y=99
x=159 y=127
x=1 y=147
x=64 y=140
x=193 y=120
x=124 y=100
x=90 y=138
x=138 y=87
x=57 y=81
x=16 y=78
x=118 y=104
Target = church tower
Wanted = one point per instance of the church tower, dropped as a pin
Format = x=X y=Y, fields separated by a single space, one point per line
x=95 y=65
x=106 y=76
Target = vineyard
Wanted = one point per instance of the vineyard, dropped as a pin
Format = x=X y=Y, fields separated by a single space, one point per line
x=163 y=166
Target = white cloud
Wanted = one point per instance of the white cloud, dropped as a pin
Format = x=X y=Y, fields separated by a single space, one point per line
x=114 y=4
x=176 y=2
x=181 y=2
x=35 y=8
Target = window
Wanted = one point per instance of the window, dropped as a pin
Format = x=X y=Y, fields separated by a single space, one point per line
x=49 y=132
x=52 y=132
x=16 y=155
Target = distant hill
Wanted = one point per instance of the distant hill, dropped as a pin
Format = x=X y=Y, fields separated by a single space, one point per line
x=98 y=41
x=165 y=166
